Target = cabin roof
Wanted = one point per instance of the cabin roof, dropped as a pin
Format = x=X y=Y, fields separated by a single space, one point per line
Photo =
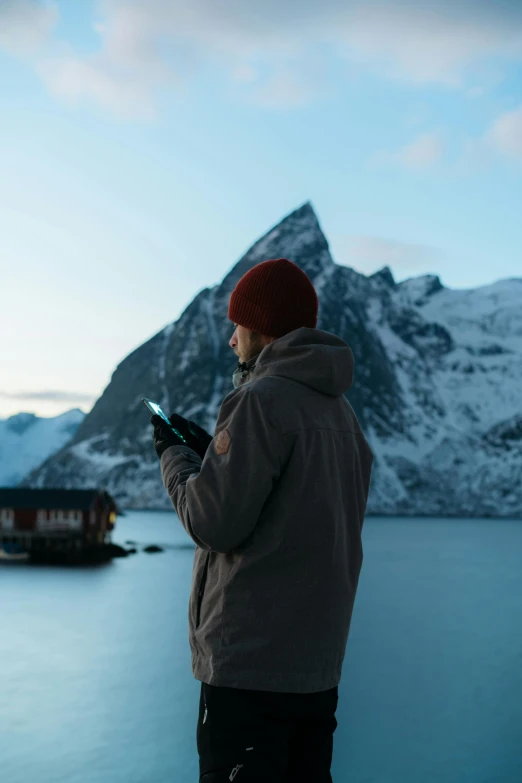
x=26 y=497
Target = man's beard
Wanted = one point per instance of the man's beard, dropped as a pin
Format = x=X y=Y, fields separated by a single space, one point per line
x=254 y=349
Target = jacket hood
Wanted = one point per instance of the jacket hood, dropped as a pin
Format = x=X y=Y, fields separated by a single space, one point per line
x=318 y=359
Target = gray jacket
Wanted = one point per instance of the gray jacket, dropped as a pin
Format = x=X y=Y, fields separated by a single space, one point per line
x=276 y=509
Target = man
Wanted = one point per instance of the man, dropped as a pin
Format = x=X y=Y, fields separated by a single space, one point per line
x=275 y=503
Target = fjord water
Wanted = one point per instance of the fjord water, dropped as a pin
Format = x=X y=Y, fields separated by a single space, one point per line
x=97 y=686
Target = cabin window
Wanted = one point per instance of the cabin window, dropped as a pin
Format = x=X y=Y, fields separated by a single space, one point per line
x=75 y=519
x=112 y=517
x=7 y=517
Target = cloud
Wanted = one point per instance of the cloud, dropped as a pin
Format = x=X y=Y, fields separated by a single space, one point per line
x=26 y=25
x=368 y=253
x=506 y=134
x=146 y=46
x=422 y=153
x=433 y=41
x=283 y=90
x=288 y=88
x=72 y=79
x=50 y=396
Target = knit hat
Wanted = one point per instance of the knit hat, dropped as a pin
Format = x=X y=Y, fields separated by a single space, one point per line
x=274 y=298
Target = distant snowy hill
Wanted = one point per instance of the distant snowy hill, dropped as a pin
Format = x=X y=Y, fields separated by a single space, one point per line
x=27 y=440
x=437 y=385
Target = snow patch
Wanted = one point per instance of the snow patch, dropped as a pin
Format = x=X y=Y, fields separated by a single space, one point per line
x=27 y=440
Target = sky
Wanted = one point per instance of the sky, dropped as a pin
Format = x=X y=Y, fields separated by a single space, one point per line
x=146 y=144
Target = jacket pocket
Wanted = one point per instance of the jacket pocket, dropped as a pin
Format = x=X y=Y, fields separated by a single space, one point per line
x=202 y=589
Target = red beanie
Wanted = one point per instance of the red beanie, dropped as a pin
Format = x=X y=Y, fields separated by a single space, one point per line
x=274 y=298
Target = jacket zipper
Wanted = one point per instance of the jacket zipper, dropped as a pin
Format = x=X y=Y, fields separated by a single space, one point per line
x=202 y=589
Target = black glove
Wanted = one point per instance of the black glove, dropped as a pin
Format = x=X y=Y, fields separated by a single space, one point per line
x=163 y=436
x=197 y=438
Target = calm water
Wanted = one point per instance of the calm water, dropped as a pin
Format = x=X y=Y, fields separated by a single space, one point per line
x=97 y=686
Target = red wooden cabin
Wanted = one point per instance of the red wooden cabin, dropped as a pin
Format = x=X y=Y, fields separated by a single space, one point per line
x=58 y=519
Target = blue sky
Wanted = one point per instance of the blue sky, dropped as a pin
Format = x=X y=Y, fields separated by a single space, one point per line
x=146 y=145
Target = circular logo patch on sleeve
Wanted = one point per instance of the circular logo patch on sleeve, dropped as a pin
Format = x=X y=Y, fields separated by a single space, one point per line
x=222 y=442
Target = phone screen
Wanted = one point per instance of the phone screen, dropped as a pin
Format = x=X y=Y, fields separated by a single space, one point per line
x=155 y=408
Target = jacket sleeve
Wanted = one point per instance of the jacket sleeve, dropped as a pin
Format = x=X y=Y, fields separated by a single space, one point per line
x=219 y=500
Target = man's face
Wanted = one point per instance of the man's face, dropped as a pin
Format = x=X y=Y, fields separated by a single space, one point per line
x=247 y=344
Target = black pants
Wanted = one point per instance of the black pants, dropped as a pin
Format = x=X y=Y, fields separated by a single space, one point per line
x=246 y=736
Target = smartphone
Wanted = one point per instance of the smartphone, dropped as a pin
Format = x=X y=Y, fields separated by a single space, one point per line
x=155 y=408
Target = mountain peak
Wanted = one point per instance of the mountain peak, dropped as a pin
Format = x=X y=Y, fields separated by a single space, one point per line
x=20 y=422
x=73 y=413
x=26 y=440
x=385 y=276
x=298 y=237
x=422 y=375
x=421 y=288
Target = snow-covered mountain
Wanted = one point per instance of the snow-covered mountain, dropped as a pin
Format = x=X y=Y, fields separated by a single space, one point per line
x=437 y=386
x=27 y=440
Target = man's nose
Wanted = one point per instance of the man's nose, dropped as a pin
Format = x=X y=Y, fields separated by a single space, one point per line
x=233 y=341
